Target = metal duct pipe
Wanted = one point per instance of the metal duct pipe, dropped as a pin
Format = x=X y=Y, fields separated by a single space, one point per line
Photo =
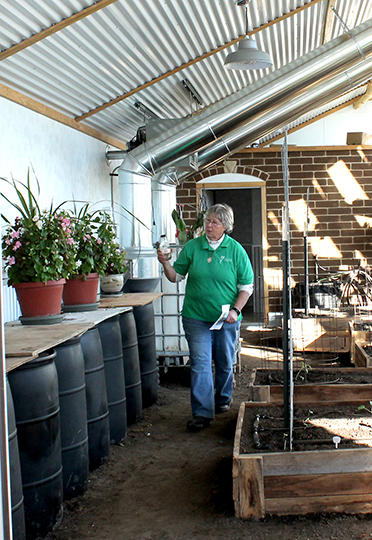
x=242 y=118
x=215 y=125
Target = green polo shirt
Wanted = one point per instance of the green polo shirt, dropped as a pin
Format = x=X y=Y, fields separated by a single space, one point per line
x=212 y=276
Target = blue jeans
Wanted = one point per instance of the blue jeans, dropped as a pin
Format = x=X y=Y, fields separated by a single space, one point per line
x=205 y=345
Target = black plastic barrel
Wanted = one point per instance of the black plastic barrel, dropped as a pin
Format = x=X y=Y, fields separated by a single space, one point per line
x=132 y=373
x=112 y=348
x=34 y=387
x=16 y=491
x=145 y=325
x=74 y=431
x=96 y=397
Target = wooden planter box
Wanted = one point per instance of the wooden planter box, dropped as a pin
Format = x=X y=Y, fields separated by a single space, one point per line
x=359 y=338
x=361 y=358
x=319 y=393
x=292 y=483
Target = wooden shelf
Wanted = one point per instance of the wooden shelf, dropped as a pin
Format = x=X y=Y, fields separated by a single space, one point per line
x=129 y=300
x=25 y=342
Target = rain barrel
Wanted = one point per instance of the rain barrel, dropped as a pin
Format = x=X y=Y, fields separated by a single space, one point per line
x=145 y=326
x=132 y=373
x=34 y=388
x=112 y=348
x=16 y=492
x=96 y=398
x=74 y=431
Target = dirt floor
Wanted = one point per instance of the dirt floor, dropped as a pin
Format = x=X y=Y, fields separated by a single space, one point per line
x=164 y=483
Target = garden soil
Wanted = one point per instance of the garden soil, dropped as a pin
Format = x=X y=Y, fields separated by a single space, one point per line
x=164 y=483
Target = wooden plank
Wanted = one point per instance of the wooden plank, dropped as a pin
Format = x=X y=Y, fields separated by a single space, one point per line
x=47 y=111
x=56 y=27
x=350 y=504
x=194 y=61
x=361 y=358
x=341 y=393
x=318 y=461
x=15 y=361
x=29 y=341
x=251 y=487
x=129 y=300
x=237 y=438
x=305 y=485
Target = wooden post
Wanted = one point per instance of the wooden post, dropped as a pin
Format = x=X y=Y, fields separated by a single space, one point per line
x=251 y=487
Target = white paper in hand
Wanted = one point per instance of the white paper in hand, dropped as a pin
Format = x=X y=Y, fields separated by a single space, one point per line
x=224 y=313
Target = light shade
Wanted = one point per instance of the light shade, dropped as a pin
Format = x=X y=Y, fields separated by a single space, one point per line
x=248 y=56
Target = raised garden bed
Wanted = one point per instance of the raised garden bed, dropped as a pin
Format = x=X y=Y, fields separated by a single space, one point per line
x=280 y=482
x=363 y=354
x=343 y=385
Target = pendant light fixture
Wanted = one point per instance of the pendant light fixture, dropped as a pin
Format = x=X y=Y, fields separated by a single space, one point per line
x=247 y=56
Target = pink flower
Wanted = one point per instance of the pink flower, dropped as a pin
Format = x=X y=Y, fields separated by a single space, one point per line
x=65 y=222
x=15 y=234
x=8 y=241
x=17 y=245
x=68 y=231
x=11 y=261
x=87 y=237
x=70 y=241
x=99 y=241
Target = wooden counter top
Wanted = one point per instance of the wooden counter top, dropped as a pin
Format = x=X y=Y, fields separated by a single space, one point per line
x=25 y=342
x=128 y=300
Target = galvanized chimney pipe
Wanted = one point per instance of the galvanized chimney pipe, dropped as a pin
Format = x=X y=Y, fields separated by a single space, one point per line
x=257 y=110
x=264 y=97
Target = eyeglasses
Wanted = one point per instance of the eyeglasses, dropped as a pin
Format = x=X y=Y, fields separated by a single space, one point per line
x=212 y=222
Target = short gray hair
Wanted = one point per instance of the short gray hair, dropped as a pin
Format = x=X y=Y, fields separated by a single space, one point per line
x=224 y=213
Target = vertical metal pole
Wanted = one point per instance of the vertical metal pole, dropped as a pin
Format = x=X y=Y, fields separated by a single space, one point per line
x=287 y=302
x=285 y=260
x=306 y=257
x=6 y=516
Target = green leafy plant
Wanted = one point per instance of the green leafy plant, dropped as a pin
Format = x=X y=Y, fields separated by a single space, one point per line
x=364 y=408
x=38 y=246
x=184 y=233
x=97 y=249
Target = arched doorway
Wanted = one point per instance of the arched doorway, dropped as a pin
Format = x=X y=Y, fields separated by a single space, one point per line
x=246 y=194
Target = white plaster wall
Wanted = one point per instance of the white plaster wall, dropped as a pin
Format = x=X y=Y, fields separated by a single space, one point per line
x=332 y=130
x=67 y=163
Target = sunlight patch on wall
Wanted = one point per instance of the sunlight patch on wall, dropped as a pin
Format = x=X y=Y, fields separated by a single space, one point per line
x=364 y=221
x=319 y=188
x=358 y=256
x=275 y=221
x=324 y=248
x=274 y=279
x=297 y=212
x=345 y=182
x=362 y=155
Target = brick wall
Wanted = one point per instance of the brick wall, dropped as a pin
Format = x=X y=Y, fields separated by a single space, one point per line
x=340 y=201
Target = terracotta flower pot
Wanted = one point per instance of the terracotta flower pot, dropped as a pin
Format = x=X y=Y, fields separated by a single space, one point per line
x=38 y=299
x=79 y=292
x=112 y=284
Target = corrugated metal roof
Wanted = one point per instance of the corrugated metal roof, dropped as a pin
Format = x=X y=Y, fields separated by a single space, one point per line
x=95 y=59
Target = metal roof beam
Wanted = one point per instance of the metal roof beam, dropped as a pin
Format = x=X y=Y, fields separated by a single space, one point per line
x=194 y=61
x=14 y=49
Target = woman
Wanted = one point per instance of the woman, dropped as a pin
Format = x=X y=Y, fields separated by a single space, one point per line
x=219 y=272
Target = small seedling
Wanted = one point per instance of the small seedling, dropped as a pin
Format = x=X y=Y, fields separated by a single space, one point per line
x=364 y=408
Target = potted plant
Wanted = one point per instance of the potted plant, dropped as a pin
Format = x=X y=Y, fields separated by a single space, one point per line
x=39 y=253
x=184 y=233
x=117 y=266
x=93 y=233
